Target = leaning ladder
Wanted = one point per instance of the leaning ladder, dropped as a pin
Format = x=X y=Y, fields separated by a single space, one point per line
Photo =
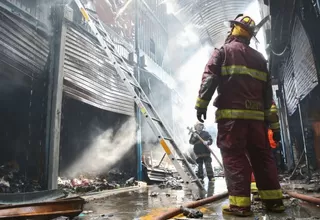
x=157 y=125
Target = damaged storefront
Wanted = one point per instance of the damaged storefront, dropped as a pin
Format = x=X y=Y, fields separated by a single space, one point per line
x=298 y=92
x=71 y=94
x=24 y=71
x=98 y=129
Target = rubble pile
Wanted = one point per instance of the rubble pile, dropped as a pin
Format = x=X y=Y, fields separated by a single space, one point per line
x=301 y=184
x=171 y=182
x=13 y=181
x=84 y=184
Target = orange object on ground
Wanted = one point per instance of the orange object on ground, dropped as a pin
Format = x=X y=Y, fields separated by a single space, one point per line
x=273 y=144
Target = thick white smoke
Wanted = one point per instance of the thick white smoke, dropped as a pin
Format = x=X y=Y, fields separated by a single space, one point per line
x=106 y=149
x=189 y=79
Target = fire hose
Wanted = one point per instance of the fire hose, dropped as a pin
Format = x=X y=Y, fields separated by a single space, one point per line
x=176 y=211
x=203 y=141
x=309 y=199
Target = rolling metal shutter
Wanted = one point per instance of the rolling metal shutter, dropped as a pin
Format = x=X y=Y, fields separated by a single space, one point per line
x=300 y=73
x=303 y=61
x=90 y=77
x=289 y=86
x=23 y=51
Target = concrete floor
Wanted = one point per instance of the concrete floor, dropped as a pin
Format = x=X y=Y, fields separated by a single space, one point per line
x=140 y=205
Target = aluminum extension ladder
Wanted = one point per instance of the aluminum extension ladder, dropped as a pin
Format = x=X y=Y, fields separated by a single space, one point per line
x=165 y=138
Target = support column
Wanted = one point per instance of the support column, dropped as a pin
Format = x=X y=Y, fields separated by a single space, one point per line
x=55 y=93
x=137 y=75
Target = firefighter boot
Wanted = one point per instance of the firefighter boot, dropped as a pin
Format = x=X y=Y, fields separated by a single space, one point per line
x=274 y=205
x=236 y=211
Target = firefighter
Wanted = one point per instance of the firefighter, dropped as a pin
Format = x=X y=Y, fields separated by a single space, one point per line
x=201 y=151
x=274 y=135
x=274 y=138
x=240 y=75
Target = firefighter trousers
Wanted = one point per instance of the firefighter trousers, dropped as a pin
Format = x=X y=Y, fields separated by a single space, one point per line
x=207 y=163
x=238 y=139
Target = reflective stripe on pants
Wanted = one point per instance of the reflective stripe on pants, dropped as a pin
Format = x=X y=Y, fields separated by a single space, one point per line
x=235 y=139
x=239 y=201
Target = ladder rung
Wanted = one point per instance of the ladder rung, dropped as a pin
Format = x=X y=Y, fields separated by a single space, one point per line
x=145 y=101
x=91 y=11
x=135 y=85
x=194 y=181
x=155 y=119
x=127 y=72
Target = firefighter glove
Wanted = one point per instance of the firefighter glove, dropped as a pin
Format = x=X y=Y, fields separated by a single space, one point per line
x=201 y=112
x=276 y=136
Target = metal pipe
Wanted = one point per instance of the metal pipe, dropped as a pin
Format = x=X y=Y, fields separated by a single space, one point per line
x=304 y=139
x=176 y=211
x=284 y=139
x=164 y=155
x=287 y=124
x=137 y=72
x=297 y=165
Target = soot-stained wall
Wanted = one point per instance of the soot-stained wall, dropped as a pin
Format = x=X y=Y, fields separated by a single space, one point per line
x=24 y=52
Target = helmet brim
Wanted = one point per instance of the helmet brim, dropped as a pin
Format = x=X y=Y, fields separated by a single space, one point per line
x=250 y=30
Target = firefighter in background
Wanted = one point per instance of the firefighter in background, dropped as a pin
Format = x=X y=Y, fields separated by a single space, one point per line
x=201 y=151
x=240 y=75
x=274 y=134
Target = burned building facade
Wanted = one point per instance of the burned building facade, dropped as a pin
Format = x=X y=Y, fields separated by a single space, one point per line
x=294 y=55
x=63 y=102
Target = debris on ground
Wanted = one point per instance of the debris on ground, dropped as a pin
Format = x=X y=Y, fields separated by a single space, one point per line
x=84 y=184
x=106 y=215
x=172 y=183
x=191 y=213
x=87 y=212
x=130 y=182
x=12 y=181
x=154 y=194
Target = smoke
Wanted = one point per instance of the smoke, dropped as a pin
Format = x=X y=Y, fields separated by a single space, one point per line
x=106 y=149
x=254 y=12
x=188 y=84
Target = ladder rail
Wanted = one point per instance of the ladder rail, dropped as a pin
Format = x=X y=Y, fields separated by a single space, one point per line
x=111 y=55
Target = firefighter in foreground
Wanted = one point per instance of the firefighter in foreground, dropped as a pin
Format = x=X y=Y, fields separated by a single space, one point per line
x=202 y=152
x=240 y=75
x=274 y=138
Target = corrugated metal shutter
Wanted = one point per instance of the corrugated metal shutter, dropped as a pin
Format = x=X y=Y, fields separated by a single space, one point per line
x=303 y=61
x=289 y=86
x=90 y=77
x=23 y=51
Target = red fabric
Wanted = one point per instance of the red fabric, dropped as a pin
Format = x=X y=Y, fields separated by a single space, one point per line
x=235 y=138
x=234 y=91
x=273 y=144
